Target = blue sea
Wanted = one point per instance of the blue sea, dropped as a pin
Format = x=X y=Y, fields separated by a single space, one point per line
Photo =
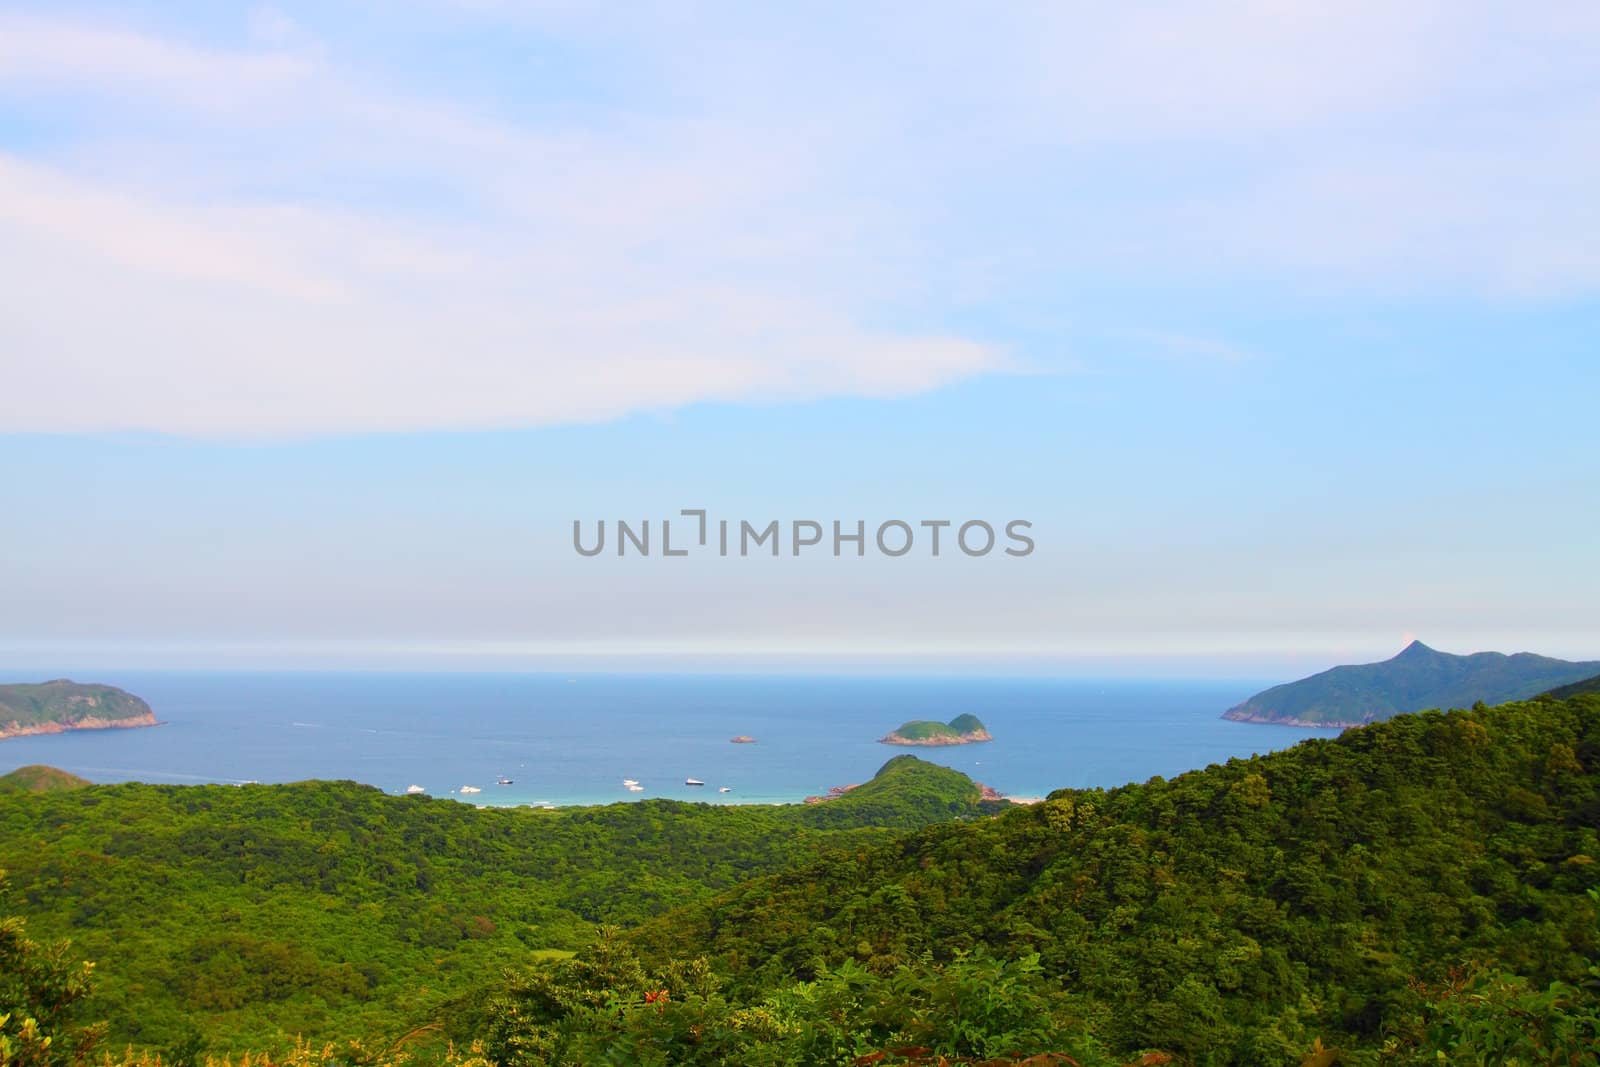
x=573 y=739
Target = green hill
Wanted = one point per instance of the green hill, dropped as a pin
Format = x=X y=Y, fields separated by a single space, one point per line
x=1588 y=685
x=967 y=724
x=1416 y=679
x=37 y=778
x=55 y=706
x=904 y=789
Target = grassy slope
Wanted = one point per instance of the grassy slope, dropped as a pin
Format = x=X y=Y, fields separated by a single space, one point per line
x=37 y=778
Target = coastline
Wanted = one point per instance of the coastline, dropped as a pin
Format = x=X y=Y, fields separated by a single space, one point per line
x=1236 y=715
x=977 y=737
x=565 y=803
x=390 y=731
x=88 y=722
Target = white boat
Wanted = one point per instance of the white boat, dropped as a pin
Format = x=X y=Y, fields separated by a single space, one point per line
x=724 y=789
x=502 y=780
x=636 y=788
x=693 y=781
x=630 y=781
x=415 y=790
x=470 y=789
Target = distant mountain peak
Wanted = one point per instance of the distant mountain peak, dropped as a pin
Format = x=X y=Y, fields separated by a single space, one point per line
x=1417 y=678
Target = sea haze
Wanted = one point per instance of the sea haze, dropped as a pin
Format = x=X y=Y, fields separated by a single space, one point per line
x=573 y=739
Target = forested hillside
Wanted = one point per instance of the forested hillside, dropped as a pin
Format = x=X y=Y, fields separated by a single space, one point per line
x=1239 y=912
x=1423 y=890
x=1588 y=685
x=247 y=915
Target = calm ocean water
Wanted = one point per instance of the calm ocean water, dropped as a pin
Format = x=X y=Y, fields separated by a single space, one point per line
x=572 y=740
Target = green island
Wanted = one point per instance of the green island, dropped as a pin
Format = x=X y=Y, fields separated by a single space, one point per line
x=60 y=705
x=1423 y=890
x=961 y=730
x=1418 y=677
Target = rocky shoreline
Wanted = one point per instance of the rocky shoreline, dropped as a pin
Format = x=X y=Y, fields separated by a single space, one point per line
x=88 y=722
x=975 y=737
x=1239 y=715
x=833 y=794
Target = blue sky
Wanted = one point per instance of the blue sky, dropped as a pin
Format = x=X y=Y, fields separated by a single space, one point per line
x=322 y=323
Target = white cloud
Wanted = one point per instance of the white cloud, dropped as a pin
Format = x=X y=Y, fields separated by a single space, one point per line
x=579 y=278
x=258 y=239
x=124 y=314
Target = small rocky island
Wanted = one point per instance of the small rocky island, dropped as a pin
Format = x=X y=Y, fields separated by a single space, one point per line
x=961 y=730
x=58 y=706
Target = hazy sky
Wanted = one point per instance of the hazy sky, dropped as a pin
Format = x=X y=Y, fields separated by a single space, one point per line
x=320 y=324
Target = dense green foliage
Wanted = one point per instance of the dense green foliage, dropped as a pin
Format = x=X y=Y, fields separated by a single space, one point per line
x=1422 y=890
x=249 y=914
x=607 y=1007
x=1417 y=678
x=41 y=992
x=1237 y=913
x=62 y=702
x=37 y=778
x=972 y=1008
